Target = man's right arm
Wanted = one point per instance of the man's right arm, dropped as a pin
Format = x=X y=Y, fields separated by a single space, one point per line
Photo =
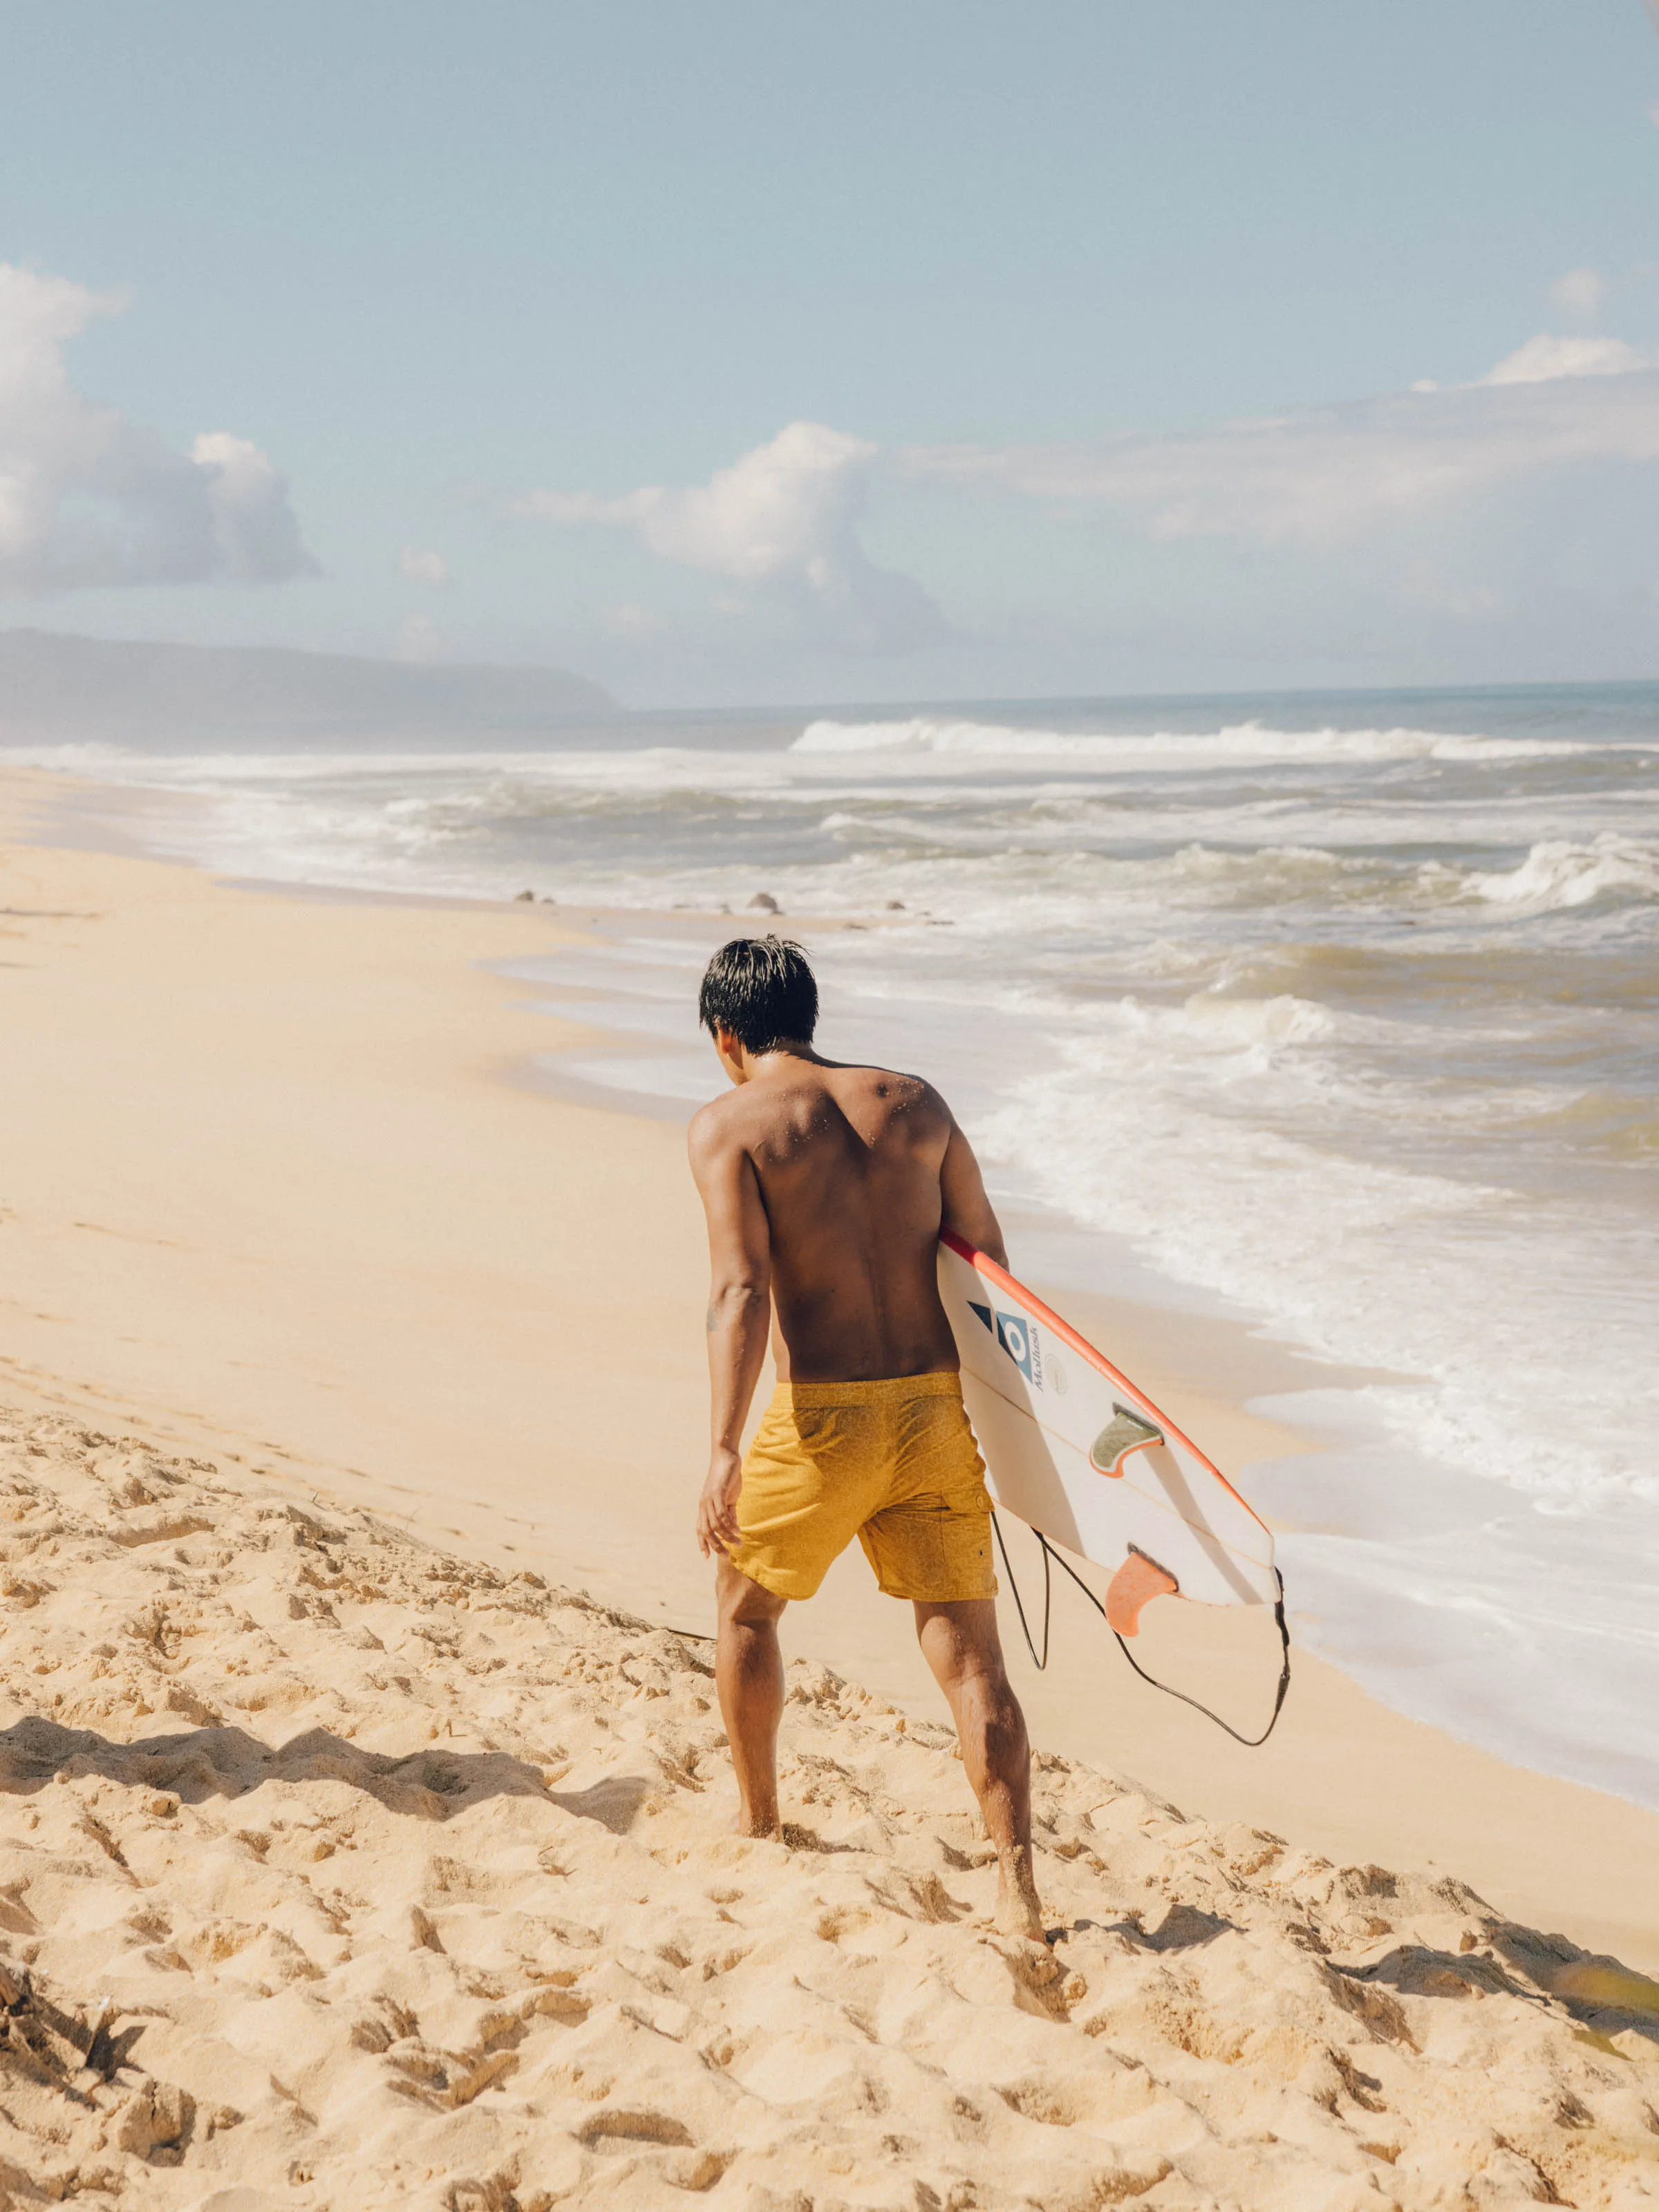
x=965 y=1209
x=739 y=1313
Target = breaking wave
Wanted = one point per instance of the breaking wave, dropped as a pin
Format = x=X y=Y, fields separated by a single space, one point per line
x=1559 y=873
x=1238 y=744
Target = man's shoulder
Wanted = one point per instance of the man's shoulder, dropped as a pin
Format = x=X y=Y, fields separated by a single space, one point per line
x=713 y=1126
x=894 y=1083
x=732 y=1120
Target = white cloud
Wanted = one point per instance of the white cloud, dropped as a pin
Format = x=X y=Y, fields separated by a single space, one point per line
x=1580 y=291
x=1544 y=359
x=419 y=639
x=1328 y=474
x=89 y=497
x=1423 y=585
x=783 y=519
x=631 y=620
x=423 y=567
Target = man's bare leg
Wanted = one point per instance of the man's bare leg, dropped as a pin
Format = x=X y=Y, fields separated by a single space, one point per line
x=749 y=1675
x=961 y=1645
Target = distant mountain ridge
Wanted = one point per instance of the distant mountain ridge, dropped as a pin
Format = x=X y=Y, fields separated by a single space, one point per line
x=55 y=686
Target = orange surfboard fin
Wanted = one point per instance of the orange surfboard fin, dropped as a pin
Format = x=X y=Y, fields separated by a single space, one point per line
x=1136 y=1582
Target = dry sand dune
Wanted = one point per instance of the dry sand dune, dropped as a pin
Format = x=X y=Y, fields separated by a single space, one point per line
x=336 y=1871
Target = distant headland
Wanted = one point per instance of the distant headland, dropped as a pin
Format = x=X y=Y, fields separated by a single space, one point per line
x=54 y=687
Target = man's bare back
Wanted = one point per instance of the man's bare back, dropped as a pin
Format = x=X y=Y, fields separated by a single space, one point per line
x=855 y=1169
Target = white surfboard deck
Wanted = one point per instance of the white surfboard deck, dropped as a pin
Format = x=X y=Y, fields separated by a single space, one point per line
x=1075 y=1450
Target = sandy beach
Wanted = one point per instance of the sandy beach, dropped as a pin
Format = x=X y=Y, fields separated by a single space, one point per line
x=356 y=1407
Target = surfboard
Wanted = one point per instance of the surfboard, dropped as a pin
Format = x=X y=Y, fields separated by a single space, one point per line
x=1075 y=1450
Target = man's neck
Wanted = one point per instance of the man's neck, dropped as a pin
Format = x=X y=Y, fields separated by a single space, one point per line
x=780 y=1060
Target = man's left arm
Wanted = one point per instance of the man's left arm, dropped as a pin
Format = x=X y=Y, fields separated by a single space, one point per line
x=964 y=1206
x=739 y=1312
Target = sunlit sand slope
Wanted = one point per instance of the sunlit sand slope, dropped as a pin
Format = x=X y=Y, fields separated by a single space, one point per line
x=337 y=1872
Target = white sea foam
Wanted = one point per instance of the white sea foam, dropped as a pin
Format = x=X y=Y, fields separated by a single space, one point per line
x=1368 y=1263
x=1240 y=743
x=1279 y=1020
x=1559 y=873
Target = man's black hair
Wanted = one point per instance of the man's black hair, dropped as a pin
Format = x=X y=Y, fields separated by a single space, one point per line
x=762 y=990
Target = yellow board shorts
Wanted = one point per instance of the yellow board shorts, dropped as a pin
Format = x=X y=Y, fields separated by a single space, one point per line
x=893 y=1462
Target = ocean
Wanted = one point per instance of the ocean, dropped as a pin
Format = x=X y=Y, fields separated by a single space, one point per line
x=1337 y=1015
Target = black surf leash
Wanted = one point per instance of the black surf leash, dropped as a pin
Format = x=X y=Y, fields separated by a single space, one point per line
x=1049 y=1553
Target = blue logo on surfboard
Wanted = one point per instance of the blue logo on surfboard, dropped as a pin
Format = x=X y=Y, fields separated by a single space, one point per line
x=1018 y=1339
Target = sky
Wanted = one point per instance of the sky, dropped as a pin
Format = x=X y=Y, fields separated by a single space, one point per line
x=750 y=354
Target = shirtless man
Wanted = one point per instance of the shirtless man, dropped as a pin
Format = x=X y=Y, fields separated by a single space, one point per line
x=826 y=1186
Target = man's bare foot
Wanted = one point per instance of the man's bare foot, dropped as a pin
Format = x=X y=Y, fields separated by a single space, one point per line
x=1018 y=1911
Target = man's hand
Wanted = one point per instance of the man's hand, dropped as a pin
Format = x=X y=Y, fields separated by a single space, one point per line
x=717 y=1508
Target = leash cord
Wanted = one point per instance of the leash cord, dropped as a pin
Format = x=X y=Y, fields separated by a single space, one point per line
x=1250 y=1742
x=1048 y=1594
